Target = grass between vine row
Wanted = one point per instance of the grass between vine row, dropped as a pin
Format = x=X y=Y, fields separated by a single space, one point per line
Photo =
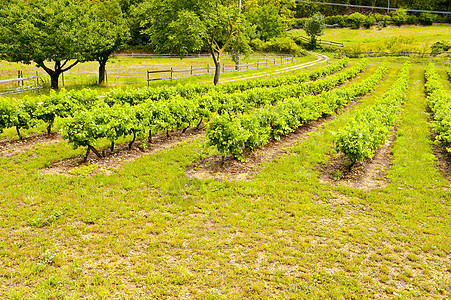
x=148 y=231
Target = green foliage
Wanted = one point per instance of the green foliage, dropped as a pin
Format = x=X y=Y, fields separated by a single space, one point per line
x=369 y=129
x=356 y=19
x=226 y=136
x=314 y=27
x=369 y=21
x=339 y=20
x=441 y=46
x=268 y=22
x=427 y=18
x=283 y=45
x=45 y=31
x=440 y=104
x=108 y=32
x=400 y=17
x=6 y=114
x=276 y=118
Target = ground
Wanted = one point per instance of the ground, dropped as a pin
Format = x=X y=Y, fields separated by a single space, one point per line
x=170 y=223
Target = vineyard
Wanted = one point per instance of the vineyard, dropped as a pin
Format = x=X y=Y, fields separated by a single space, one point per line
x=152 y=202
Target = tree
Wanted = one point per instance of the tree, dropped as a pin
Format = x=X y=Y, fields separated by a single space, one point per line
x=269 y=23
x=314 y=27
x=44 y=32
x=108 y=32
x=192 y=25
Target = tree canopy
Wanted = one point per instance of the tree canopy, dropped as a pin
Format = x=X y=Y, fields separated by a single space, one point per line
x=314 y=27
x=108 y=32
x=45 y=32
x=193 y=25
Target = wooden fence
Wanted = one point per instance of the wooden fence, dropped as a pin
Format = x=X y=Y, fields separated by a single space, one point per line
x=192 y=71
x=21 y=86
x=322 y=42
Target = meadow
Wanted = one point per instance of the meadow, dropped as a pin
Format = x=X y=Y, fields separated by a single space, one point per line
x=162 y=225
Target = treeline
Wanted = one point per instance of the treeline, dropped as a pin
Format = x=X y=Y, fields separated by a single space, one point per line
x=58 y=34
x=304 y=9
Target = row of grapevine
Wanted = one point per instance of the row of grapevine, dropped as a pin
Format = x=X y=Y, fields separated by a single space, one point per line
x=440 y=103
x=135 y=96
x=243 y=102
x=27 y=112
x=284 y=80
x=370 y=128
x=255 y=129
x=86 y=128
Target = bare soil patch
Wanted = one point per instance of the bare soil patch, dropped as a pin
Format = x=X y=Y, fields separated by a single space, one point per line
x=365 y=175
x=121 y=155
x=11 y=147
x=443 y=159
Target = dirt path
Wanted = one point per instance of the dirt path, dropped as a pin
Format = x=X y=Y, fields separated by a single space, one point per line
x=320 y=58
x=11 y=147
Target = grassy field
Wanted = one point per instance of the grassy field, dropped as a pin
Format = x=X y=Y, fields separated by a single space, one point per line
x=406 y=38
x=150 y=231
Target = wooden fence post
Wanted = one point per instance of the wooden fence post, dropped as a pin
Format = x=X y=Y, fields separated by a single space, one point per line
x=171 y=72
x=191 y=73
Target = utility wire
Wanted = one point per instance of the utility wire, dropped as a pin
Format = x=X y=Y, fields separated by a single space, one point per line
x=376 y=7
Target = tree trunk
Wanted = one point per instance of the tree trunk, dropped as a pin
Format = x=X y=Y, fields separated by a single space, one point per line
x=95 y=151
x=134 y=138
x=58 y=70
x=217 y=71
x=102 y=68
x=54 y=80
x=18 y=132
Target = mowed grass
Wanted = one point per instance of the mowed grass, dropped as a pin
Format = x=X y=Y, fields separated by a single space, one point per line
x=405 y=38
x=148 y=231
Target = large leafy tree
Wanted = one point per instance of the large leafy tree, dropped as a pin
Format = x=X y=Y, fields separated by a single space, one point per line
x=50 y=33
x=192 y=25
x=108 y=32
x=269 y=24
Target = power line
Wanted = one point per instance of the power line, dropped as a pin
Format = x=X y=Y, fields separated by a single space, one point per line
x=376 y=7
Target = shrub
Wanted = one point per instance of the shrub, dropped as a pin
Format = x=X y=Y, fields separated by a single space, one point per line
x=400 y=17
x=369 y=21
x=333 y=20
x=426 y=19
x=283 y=45
x=412 y=19
x=442 y=46
x=356 y=20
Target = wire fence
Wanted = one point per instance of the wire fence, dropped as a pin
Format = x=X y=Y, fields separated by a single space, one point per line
x=322 y=42
x=173 y=73
x=20 y=84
